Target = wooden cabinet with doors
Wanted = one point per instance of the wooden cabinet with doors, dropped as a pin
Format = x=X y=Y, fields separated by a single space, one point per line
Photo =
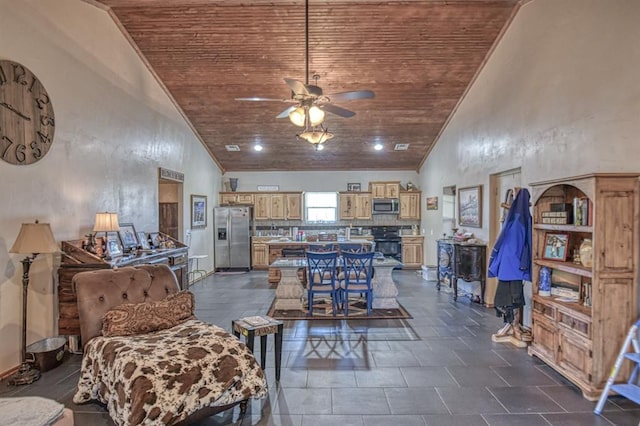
x=277 y=206
x=410 y=205
x=260 y=252
x=230 y=198
x=384 y=189
x=355 y=205
x=580 y=336
x=412 y=251
x=293 y=206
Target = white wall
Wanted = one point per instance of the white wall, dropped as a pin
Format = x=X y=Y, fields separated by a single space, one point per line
x=114 y=128
x=559 y=97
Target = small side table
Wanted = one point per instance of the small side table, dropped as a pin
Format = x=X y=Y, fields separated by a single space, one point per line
x=251 y=329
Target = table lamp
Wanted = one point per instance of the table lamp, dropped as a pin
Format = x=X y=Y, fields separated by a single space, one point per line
x=106 y=222
x=33 y=238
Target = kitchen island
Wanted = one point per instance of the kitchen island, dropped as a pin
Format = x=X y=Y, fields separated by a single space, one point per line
x=291 y=290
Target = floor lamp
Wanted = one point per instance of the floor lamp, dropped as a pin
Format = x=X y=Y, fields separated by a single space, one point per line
x=33 y=238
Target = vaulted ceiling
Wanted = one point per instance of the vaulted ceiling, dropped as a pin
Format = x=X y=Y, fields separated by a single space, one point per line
x=418 y=56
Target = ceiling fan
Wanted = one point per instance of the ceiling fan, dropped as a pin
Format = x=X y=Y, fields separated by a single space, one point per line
x=309 y=103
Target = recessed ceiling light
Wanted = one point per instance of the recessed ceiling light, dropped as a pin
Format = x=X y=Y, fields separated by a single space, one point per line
x=401 y=147
x=232 y=147
x=378 y=146
x=257 y=147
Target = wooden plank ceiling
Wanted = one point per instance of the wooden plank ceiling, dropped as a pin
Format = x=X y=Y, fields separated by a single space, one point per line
x=417 y=56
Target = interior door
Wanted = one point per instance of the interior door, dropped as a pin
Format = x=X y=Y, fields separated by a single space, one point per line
x=169 y=220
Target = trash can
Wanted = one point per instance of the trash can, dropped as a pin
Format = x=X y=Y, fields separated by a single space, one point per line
x=429 y=272
x=47 y=353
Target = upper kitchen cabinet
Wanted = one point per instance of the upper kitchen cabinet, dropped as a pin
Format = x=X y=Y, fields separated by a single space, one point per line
x=410 y=205
x=278 y=206
x=355 y=205
x=384 y=189
x=244 y=198
x=293 y=206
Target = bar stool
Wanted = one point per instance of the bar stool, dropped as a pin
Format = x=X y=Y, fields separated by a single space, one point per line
x=201 y=273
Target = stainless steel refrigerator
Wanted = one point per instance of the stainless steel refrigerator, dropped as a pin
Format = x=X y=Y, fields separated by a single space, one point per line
x=232 y=227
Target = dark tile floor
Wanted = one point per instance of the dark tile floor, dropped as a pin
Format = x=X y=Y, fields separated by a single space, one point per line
x=438 y=368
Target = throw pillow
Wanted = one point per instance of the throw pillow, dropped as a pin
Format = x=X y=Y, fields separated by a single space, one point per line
x=139 y=318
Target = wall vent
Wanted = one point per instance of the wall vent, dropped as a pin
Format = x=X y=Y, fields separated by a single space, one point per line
x=401 y=147
x=232 y=147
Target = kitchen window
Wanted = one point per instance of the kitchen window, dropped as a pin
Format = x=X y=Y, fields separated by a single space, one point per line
x=321 y=207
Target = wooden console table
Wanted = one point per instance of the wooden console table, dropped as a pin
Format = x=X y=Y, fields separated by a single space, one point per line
x=461 y=261
x=75 y=259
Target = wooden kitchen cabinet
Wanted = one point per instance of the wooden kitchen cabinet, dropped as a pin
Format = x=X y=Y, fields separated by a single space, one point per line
x=384 y=189
x=262 y=207
x=260 y=252
x=412 y=251
x=293 y=206
x=581 y=339
x=277 y=206
x=230 y=198
x=355 y=205
x=410 y=205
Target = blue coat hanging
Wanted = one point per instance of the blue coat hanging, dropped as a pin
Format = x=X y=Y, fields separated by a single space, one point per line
x=511 y=255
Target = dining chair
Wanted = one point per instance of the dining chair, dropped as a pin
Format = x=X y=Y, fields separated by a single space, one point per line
x=358 y=271
x=350 y=247
x=321 y=276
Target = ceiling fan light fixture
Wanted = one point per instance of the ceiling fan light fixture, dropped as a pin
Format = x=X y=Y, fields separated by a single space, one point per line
x=298 y=117
x=316 y=137
x=316 y=116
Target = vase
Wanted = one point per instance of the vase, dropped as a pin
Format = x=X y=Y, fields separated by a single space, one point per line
x=544 y=285
x=586 y=253
x=233 y=182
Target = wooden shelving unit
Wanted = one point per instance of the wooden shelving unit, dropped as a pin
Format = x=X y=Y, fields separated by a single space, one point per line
x=581 y=339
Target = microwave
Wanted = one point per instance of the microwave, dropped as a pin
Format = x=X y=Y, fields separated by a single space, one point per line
x=385 y=206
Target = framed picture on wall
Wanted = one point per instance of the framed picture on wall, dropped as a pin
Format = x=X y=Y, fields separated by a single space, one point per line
x=353 y=187
x=470 y=206
x=198 y=211
x=432 y=203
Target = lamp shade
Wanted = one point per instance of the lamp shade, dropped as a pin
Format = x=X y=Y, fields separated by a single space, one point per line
x=316 y=116
x=35 y=238
x=297 y=116
x=106 y=222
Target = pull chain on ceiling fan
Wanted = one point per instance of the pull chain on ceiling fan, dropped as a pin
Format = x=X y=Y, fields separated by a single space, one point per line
x=309 y=102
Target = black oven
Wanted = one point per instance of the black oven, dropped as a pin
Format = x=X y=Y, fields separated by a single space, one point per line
x=388 y=241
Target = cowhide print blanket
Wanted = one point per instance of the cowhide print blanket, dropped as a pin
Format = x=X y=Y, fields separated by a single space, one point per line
x=161 y=378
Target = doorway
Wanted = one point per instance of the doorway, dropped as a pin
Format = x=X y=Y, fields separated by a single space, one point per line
x=170 y=208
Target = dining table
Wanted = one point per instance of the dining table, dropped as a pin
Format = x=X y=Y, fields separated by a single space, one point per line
x=290 y=290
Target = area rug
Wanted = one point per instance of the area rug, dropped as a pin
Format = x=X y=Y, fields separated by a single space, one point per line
x=322 y=309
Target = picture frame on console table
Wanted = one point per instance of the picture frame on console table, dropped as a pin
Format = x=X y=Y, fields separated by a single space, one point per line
x=112 y=243
x=198 y=211
x=470 y=206
x=128 y=236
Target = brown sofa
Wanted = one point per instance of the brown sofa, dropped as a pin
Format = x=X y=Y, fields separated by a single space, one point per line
x=121 y=365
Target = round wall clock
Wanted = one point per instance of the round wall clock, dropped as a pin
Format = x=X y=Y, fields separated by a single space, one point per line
x=27 y=122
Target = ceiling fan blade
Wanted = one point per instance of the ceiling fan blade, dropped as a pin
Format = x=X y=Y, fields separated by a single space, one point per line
x=298 y=87
x=334 y=109
x=255 y=98
x=285 y=113
x=351 y=96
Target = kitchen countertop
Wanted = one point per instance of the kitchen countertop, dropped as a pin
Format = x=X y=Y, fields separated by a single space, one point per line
x=288 y=241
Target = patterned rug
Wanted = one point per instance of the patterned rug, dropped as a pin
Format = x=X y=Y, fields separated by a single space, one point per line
x=322 y=309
